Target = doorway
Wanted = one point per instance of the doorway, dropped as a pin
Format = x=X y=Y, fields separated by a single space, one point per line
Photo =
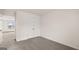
x=7 y=30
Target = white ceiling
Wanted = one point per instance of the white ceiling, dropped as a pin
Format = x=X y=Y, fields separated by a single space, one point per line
x=35 y=11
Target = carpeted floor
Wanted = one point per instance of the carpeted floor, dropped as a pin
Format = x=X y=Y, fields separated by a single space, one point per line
x=38 y=43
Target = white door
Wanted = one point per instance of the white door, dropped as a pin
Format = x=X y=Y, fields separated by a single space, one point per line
x=27 y=25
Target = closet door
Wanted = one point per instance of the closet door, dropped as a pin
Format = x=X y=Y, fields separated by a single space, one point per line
x=26 y=25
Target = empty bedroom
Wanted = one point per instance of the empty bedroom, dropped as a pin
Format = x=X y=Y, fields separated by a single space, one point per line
x=39 y=29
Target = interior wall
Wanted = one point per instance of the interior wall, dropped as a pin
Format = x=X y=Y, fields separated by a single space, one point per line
x=27 y=25
x=61 y=26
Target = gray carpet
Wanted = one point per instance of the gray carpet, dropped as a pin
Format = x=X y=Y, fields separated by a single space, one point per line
x=38 y=43
x=3 y=48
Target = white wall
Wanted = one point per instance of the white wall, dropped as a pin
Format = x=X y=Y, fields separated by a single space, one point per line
x=27 y=25
x=61 y=26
